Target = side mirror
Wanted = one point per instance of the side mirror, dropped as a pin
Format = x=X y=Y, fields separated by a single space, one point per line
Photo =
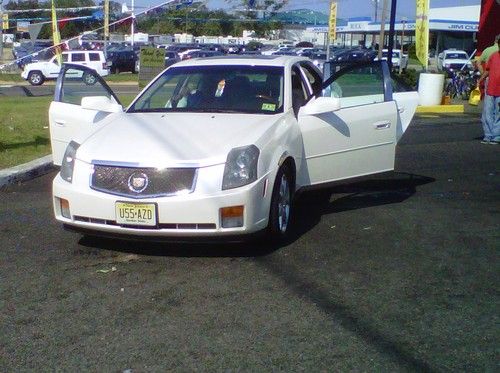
x=101 y=103
x=321 y=105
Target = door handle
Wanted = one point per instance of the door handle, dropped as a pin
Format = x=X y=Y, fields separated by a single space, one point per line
x=382 y=125
x=60 y=123
x=401 y=110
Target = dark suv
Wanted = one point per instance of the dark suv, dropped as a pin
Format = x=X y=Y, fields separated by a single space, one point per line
x=122 y=60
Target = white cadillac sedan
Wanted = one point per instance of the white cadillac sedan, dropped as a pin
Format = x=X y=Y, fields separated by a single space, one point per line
x=217 y=146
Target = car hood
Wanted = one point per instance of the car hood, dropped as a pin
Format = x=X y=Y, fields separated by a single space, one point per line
x=169 y=139
x=450 y=60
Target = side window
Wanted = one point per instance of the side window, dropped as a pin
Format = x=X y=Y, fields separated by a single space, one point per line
x=356 y=86
x=299 y=91
x=94 y=57
x=56 y=61
x=79 y=83
x=78 y=57
x=313 y=77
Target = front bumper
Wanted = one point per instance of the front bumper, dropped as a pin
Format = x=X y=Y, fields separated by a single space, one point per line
x=191 y=215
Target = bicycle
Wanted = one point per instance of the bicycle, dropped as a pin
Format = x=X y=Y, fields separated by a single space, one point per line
x=461 y=83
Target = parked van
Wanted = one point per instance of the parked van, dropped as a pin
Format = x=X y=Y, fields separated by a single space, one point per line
x=38 y=72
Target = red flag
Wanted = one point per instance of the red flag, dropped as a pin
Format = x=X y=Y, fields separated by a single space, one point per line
x=489 y=26
x=61 y=23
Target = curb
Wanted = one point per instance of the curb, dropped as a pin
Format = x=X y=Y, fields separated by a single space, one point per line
x=26 y=171
x=440 y=109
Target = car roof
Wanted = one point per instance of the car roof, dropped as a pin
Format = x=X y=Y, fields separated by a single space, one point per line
x=258 y=60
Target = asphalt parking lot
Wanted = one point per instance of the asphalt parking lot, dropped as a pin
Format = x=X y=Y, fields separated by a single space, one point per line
x=392 y=274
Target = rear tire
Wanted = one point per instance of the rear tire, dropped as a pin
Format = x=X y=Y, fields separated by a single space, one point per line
x=280 y=214
x=36 y=78
x=89 y=79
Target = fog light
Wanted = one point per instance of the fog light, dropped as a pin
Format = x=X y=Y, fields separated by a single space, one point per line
x=231 y=217
x=65 y=208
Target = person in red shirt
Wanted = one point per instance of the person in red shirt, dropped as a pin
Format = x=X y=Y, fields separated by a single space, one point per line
x=491 y=107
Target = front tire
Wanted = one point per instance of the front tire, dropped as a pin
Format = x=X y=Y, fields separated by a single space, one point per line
x=280 y=214
x=36 y=78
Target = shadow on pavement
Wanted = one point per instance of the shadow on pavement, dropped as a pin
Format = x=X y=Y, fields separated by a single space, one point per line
x=347 y=317
x=313 y=205
x=391 y=189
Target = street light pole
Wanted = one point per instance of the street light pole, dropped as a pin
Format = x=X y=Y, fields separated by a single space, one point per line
x=392 y=34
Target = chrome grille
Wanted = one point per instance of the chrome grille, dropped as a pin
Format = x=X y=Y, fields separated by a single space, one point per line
x=138 y=182
x=456 y=66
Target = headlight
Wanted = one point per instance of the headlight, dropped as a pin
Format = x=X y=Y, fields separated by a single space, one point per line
x=241 y=167
x=68 y=161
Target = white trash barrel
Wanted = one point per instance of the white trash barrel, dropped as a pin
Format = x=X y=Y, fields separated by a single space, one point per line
x=430 y=89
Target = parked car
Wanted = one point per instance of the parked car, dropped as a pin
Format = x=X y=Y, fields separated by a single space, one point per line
x=398 y=58
x=38 y=72
x=218 y=147
x=121 y=60
x=184 y=54
x=171 y=58
x=201 y=53
x=453 y=59
x=353 y=55
x=32 y=52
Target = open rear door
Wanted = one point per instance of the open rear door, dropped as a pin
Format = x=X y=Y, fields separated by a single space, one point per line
x=67 y=118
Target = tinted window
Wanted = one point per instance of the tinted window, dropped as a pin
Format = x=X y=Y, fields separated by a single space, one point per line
x=94 y=57
x=78 y=57
x=456 y=56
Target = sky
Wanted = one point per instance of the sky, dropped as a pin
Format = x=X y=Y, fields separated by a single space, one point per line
x=349 y=8
x=357 y=8
x=346 y=8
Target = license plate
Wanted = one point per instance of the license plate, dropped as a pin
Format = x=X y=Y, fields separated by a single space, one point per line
x=128 y=213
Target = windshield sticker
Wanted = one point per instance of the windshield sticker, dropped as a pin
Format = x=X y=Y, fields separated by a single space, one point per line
x=269 y=107
x=220 y=88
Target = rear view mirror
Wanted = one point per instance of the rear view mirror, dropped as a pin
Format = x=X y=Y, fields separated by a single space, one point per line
x=321 y=105
x=101 y=103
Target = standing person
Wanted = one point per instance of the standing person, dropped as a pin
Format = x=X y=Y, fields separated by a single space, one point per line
x=491 y=107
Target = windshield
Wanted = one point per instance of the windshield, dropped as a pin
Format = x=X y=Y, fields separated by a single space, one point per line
x=456 y=56
x=241 y=89
x=394 y=54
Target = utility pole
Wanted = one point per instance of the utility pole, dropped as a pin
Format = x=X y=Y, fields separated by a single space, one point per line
x=382 y=30
x=1 y=29
x=375 y=3
x=132 y=28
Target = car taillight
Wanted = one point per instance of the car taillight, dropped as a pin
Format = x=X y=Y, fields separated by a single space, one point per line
x=104 y=66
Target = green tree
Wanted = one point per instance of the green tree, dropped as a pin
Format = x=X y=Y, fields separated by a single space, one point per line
x=212 y=28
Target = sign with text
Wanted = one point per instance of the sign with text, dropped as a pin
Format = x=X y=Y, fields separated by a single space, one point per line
x=152 y=62
x=422 y=32
x=332 y=24
x=5 y=21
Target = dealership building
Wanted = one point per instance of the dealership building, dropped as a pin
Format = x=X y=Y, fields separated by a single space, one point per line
x=450 y=27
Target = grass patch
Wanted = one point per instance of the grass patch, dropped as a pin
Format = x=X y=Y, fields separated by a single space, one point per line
x=24 y=134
